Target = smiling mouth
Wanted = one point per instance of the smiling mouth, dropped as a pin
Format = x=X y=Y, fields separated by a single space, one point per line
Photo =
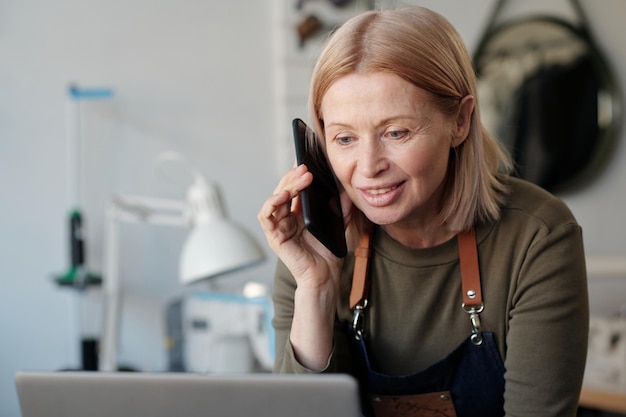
x=379 y=191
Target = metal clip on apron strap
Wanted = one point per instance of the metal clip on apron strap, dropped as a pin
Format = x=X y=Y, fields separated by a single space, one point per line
x=470 y=278
x=360 y=284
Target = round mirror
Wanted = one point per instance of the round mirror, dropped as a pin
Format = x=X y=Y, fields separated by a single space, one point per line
x=548 y=95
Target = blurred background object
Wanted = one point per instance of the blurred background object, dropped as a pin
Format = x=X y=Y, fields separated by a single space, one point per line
x=548 y=92
x=215 y=245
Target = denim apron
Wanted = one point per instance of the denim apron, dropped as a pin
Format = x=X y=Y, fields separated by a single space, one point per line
x=469 y=382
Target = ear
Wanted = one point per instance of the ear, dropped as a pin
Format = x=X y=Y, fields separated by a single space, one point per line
x=463 y=121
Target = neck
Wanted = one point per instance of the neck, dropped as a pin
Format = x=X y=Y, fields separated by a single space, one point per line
x=419 y=237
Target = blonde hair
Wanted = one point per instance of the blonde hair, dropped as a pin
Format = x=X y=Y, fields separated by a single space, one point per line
x=423 y=48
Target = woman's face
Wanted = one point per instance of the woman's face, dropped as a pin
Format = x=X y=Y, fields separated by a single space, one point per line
x=389 y=147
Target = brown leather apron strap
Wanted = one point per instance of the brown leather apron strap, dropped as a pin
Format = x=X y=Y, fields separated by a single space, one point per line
x=428 y=404
x=359 y=290
x=470 y=272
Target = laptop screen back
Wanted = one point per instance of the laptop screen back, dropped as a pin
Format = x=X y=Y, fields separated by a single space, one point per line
x=97 y=394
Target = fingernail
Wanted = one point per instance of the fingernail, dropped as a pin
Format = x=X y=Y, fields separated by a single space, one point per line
x=300 y=169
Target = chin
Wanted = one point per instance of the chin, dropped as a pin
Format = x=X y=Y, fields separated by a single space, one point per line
x=382 y=219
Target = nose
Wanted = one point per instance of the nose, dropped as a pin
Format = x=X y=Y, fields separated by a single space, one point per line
x=372 y=160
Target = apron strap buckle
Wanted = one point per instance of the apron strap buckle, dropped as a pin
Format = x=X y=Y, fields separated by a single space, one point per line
x=358 y=319
x=474 y=315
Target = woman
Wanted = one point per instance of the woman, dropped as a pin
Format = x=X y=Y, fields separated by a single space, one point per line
x=468 y=290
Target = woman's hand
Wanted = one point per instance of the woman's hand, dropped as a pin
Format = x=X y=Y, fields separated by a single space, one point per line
x=315 y=269
x=310 y=262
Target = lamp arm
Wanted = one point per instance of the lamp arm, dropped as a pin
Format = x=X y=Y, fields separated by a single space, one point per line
x=142 y=209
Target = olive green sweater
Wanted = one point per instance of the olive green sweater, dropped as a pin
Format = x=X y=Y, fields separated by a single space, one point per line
x=535 y=293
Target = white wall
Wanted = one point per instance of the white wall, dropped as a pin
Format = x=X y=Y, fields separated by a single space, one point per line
x=193 y=76
x=204 y=78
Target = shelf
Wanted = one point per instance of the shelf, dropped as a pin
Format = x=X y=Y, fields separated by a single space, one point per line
x=606 y=266
x=603 y=399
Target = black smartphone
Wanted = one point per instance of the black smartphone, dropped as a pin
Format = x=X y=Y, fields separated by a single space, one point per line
x=321 y=206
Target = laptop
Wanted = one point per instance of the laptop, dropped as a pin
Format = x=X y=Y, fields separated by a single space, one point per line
x=128 y=394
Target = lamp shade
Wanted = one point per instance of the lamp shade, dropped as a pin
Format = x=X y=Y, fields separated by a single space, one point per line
x=216 y=247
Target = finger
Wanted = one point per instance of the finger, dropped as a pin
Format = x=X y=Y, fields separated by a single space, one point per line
x=284 y=210
x=294 y=180
x=274 y=209
x=296 y=204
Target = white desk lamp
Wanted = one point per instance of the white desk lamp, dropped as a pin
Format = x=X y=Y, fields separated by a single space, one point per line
x=214 y=246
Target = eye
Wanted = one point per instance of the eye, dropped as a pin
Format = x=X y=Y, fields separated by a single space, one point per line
x=344 y=139
x=396 y=133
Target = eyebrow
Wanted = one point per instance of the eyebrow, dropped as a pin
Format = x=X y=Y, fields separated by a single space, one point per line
x=419 y=118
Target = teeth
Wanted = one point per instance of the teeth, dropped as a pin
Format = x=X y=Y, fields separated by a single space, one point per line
x=378 y=191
